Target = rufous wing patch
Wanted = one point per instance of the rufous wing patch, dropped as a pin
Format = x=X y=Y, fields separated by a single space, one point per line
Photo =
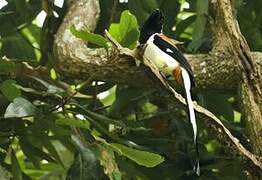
x=177 y=73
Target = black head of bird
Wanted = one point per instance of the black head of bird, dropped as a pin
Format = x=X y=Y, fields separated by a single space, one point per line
x=153 y=24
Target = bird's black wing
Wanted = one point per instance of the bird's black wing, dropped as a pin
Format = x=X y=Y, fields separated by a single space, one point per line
x=166 y=45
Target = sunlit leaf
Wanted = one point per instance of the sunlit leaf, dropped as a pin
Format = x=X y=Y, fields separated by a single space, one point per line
x=90 y=37
x=126 y=31
x=142 y=158
x=73 y=122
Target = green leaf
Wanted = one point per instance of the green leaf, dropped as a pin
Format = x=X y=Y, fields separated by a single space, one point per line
x=20 y=107
x=142 y=158
x=90 y=37
x=126 y=31
x=125 y=97
x=200 y=24
x=219 y=105
x=51 y=89
x=86 y=165
x=51 y=148
x=20 y=15
x=184 y=24
x=86 y=88
x=6 y=66
x=17 y=46
x=142 y=10
x=9 y=89
x=34 y=153
x=73 y=122
x=16 y=170
x=30 y=155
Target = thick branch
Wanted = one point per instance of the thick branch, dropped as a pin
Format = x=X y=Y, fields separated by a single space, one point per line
x=230 y=41
x=214 y=72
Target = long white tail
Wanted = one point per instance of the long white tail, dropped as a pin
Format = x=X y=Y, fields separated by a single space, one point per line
x=192 y=117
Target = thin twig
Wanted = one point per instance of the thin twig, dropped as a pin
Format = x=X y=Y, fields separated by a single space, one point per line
x=121 y=49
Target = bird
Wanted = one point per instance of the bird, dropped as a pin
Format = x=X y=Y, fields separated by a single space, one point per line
x=163 y=53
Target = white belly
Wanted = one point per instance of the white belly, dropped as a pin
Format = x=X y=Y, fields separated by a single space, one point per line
x=163 y=61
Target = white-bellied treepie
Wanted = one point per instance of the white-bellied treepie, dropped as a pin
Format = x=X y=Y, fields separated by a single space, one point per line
x=163 y=53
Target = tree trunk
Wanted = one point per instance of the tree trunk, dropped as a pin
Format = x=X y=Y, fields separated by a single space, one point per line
x=229 y=40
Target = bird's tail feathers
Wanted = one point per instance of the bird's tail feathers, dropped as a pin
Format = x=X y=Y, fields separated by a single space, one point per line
x=191 y=112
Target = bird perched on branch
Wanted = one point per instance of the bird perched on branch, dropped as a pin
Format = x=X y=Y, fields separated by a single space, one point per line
x=163 y=53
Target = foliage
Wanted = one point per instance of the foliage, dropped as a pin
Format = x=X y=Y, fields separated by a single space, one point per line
x=251 y=23
x=112 y=130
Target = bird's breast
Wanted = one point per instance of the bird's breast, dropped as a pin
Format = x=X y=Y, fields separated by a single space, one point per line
x=162 y=60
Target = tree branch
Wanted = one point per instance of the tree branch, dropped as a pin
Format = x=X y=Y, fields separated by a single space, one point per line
x=213 y=72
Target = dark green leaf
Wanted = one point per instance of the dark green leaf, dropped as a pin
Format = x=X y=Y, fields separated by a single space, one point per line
x=9 y=89
x=219 y=105
x=125 y=97
x=5 y=13
x=200 y=25
x=182 y=25
x=51 y=89
x=6 y=66
x=51 y=148
x=16 y=170
x=33 y=153
x=92 y=89
x=19 y=16
x=86 y=165
x=90 y=37
x=30 y=154
x=23 y=48
x=142 y=9
x=20 y=107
